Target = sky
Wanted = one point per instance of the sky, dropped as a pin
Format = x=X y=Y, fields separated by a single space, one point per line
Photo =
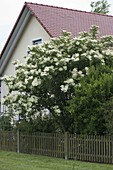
x=10 y=9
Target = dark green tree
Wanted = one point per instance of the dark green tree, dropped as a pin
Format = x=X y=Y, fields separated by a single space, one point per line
x=108 y=111
x=92 y=99
x=101 y=6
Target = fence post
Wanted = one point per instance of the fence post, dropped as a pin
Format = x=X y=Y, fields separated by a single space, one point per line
x=112 y=148
x=18 y=141
x=66 y=145
x=4 y=139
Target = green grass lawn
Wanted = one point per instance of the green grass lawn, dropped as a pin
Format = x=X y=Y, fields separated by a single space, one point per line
x=18 y=161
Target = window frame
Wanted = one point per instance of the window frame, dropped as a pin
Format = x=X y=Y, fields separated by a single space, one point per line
x=37 y=41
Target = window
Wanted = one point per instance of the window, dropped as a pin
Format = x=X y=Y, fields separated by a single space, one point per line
x=28 y=52
x=37 y=41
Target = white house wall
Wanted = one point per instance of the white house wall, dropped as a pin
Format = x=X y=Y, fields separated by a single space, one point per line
x=33 y=30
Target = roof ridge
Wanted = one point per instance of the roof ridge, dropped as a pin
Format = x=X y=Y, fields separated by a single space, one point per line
x=70 y=9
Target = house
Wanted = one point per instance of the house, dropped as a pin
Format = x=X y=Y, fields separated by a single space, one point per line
x=37 y=23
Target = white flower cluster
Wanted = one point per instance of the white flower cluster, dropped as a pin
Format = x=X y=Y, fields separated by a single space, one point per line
x=67 y=83
x=64 y=88
x=56 y=109
x=74 y=73
x=36 y=82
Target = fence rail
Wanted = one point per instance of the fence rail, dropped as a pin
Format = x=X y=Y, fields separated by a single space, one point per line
x=69 y=146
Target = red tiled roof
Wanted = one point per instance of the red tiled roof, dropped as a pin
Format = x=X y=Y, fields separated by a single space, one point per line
x=56 y=19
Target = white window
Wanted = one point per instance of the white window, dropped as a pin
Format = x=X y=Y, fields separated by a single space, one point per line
x=37 y=41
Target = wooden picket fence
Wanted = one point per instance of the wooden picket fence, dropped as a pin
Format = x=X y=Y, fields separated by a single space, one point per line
x=8 y=141
x=69 y=146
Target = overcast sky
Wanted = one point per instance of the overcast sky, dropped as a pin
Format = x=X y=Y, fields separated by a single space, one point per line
x=10 y=9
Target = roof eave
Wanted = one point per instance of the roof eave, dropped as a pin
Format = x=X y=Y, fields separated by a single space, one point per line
x=14 y=37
